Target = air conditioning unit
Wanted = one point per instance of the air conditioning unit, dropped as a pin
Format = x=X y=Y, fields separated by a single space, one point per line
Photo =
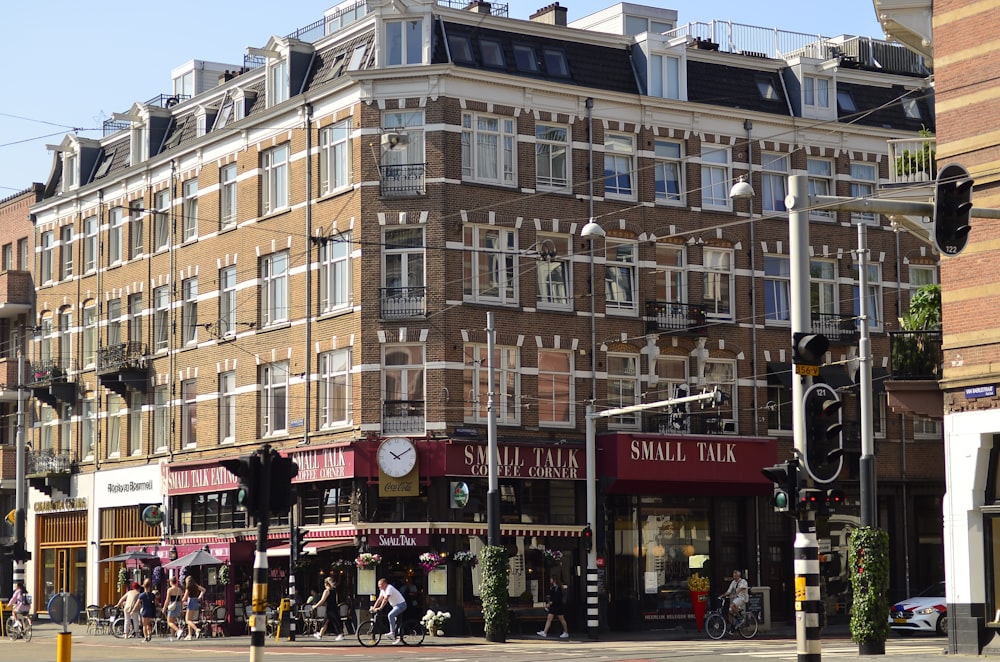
x=394 y=141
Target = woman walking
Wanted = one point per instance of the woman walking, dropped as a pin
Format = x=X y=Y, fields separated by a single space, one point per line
x=329 y=600
x=173 y=605
x=193 y=595
x=147 y=609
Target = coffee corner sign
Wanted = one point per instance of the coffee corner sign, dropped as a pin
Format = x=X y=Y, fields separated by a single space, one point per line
x=518 y=462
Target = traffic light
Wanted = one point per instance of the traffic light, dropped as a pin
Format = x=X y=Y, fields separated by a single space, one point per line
x=283 y=470
x=785 y=477
x=588 y=538
x=809 y=348
x=952 y=207
x=823 y=427
x=833 y=498
x=248 y=470
x=298 y=541
x=810 y=499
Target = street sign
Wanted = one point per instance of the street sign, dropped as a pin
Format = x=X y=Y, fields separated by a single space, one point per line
x=807 y=370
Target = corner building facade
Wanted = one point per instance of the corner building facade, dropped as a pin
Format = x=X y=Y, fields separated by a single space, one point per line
x=303 y=252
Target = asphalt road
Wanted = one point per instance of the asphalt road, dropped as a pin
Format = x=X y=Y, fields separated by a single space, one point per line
x=618 y=647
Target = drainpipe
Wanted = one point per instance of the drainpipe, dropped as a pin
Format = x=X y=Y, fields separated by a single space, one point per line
x=307 y=116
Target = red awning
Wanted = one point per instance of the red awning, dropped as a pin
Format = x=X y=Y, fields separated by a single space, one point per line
x=311 y=548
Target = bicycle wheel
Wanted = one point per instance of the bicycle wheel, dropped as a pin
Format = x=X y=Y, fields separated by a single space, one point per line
x=118 y=628
x=12 y=632
x=367 y=637
x=413 y=633
x=749 y=627
x=27 y=630
x=715 y=626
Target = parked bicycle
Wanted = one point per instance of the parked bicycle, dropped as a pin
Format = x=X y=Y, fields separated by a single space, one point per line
x=719 y=622
x=19 y=628
x=370 y=632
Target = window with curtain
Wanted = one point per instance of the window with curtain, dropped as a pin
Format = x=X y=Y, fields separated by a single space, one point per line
x=777 y=285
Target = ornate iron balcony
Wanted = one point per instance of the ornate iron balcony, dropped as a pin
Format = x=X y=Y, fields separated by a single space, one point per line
x=400 y=302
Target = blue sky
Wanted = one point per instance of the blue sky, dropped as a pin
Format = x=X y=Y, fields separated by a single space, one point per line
x=70 y=64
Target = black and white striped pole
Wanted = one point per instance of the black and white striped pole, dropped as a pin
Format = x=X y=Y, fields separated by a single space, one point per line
x=807 y=594
x=258 y=627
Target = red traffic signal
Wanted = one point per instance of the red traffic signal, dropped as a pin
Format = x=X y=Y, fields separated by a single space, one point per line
x=587 y=536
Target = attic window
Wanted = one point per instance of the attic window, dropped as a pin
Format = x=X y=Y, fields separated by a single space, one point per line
x=461 y=49
x=278 y=82
x=492 y=53
x=225 y=115
x=357 y=58
x=525 y=58
x=768 y=92
x=555 y=63
x=175 y=138
x=911 y=109
x=846 y=101
x=105 y=164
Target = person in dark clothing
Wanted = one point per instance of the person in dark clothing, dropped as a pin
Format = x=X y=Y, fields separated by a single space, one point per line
x=147 y=609
x=556 y=609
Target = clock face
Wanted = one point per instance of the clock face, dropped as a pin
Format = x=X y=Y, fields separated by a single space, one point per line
x=397 y=456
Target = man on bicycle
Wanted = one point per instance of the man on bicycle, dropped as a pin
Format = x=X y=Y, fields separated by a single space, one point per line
x=19 y=605
x=389 y=594
x=739 y=592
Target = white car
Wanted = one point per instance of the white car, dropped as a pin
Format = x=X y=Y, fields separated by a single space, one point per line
x=927 y=611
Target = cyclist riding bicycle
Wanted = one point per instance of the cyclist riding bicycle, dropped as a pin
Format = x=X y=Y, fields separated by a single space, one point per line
x=739 y=593
x=19 y=604
x=389 y=594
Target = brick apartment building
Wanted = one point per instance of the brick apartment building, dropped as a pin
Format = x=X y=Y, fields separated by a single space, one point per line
x=301 y=250
x=956 y=35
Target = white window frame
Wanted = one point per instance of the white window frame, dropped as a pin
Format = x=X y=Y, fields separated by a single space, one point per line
x=671 y=379
x=823 y=287
x=136 y=230
x=161 y=319
x=875 y=300
x=227 y=196
x=489 y=149
x=864 y=182
x=227 y=301
x=335 y=157
x=274 y=399
x=189 y=413
x=927 y=428
x=815 y=95
x=821 y=173
x=135 y=423
x=274 y=179
x=408 y=378
x=277 y=82
x=274 y=270
x=619 y=166
x=621 y=277
x=335 y=403
x=404 y=42
x=718 y=283
x=507 y=371
x=716 y=175
x=671 y=273
x=116 y=224
x=189 y=311
x=918 y=276
x=46 y=257
x=556 y=389
x=161 y=220
x=114 y=322
x=190 y=209
x=90 y=227
x=114 y=424
x=624 y=376
x=553 y=157
x=161 y=419
x=668 y=167
x=490 y=273
x=714 y=378
x=227 y=407
x=774 y=181
x=90 y=336
x=335 y=273
x=88 y=428
x=665 y=77
x=777 y=290
x=66 y=261
x=555 y=272
x=135 y=314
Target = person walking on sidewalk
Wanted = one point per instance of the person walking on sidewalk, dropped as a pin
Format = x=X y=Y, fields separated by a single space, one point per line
x=172 y=607
x=556 y=608
x=329 y=600
x=129 y=604
x=194 y=593
x=147 y=609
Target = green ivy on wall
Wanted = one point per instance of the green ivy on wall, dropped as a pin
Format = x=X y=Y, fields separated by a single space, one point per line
x=494 y=591
x=868 y=556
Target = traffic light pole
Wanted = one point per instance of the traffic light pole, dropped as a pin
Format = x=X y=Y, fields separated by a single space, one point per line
x=20 y=485
x=258 y=628
x=867 y=463
x=807 y=594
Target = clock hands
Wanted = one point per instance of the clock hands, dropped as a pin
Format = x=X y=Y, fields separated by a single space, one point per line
x=398 y=457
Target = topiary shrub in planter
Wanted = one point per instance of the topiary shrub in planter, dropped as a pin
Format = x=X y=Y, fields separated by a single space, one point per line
x=494 y=592
x=868 y=555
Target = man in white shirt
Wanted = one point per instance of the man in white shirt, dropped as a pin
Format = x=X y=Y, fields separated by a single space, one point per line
x=389 y=594
x=739 y=592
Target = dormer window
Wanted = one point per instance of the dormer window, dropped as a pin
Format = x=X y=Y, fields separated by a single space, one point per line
x=815 y=92
x=664 y=76
x=524 y=56
x=225 y=115
x=912 y=109
x=404 y=42
x=71 y=171
x=492 y=53
x=277 y=82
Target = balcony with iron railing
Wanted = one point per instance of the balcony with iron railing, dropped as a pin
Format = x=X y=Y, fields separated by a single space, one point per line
x=402 y=180
x=403 y=417
x=403 y=302
x=123 y=366
x=683 y=422
x=916 y=363
x=837 y=328
x=666 y=316
x=53 y=380
x=48 y=469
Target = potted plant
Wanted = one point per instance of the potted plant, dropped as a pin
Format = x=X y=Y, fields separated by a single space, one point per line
x=366 y=559
x=465 y=557
x=552 y=556
x=494 y=592
x=429 y=561
x=868 y=556
x=433 y=622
